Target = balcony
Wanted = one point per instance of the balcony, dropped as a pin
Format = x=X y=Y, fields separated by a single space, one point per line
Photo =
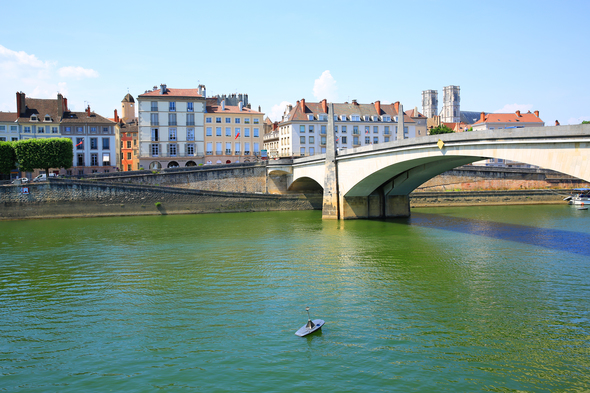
x=218 y=152
x=228 y=152
x=247 y=152
x=209 y=153
x=237 y=153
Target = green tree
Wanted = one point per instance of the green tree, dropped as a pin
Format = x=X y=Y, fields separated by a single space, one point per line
x=586 y=122
x=442 y=129
x=44 y=153
x=7 y=157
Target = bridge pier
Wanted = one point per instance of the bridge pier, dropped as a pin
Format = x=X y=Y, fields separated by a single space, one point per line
x=374 y=206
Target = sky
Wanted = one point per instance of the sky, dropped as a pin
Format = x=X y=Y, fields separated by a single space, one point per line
x=504 y=55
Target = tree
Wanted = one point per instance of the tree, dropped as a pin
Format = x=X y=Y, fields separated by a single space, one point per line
x=7 y=157
x=586 y=122
x=44 y=153
x=442 y=129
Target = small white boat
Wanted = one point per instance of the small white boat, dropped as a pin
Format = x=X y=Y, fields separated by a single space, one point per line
x=310 y=326
x=580 y=197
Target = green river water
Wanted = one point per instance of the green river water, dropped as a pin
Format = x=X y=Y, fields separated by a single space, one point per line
x=451 y=299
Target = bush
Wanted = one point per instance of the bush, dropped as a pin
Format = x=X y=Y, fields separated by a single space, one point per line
x=7 y=157
x=442 y=129
x=44 y=153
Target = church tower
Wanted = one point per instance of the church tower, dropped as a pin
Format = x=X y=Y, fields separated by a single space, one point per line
x=128 y=109
x=451 y=112
x=429 y=103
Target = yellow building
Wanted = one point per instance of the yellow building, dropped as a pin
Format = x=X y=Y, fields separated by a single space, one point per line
x=232 y=133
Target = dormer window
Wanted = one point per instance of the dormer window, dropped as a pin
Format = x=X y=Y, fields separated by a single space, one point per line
x=375 y=118
x=34 y=118
x=309 y=117
x=386 y=118
x=343 y=117
x=367 y=118
x=47 y=118
x=323 y=117
x=355 y=118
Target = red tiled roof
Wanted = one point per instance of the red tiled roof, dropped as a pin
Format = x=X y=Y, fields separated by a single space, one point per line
x=8 y=116
x=173 y=93
x=314 y=108
x=510 y=118
x=411 y=113
x=231 y=109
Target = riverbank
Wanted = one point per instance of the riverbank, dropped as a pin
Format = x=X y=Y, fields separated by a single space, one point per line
x=488 y=198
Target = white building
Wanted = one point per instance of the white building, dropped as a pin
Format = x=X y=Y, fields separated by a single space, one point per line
x=9 y=128
x=302 y=130
x=171 y=127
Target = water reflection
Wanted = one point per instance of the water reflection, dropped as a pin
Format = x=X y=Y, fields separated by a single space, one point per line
x=555 y=239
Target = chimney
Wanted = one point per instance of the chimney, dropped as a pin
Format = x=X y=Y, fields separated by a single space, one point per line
x=325 y=105
x=88 y=110
x=240 y=105
x=20 y=108
x=259 y=108
x=396 y=106
x=116 y=117
x=482 y=117
x=303 y=105
x=378 y=107
x=354 y=102
x=536 y=113
x=66 y=105
x=415 y=111
x=162 y=89
x=556 y=123
x=60 y=105
x=518 y=114
x=223 y=105
x=155 y=88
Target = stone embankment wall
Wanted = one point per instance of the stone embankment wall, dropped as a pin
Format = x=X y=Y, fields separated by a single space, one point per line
x=75 y=198
x=487 y=198
x=242 y=178
x=474 y=178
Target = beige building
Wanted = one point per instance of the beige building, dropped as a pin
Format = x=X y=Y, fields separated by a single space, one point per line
x=232 y=133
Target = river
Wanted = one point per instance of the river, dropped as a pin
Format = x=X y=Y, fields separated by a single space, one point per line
x=452 y=299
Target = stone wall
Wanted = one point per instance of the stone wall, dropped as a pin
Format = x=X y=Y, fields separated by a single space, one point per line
x=487 y=198
x=76 y=198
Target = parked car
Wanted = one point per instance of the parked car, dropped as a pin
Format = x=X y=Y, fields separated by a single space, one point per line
x=22 y=180
x=43 y=177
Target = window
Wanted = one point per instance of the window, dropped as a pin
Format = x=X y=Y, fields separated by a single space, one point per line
x=93 y=130
x=355 y=118
x=386 y=118
x=80 y=130
x=228 y=148
x=154 y=121
x=256 y=147
x=172 y=149
x=93 y=159
x=34 y=118
x=375 y=139
x=237 y=131
x=344 y=129
x=172 y=134
x=323 y=140
x=302 y=129
x=217 y=131
x=247 y=148
x=386 y=139
x=344 y=140
x=310 y=129
x=172 y=119
x=80 y=160
x=367 y=129
x=323 y=117
x=155 y=137
x=309 y=117
x=93 y=143
x=386 y=130
x=190 y=107
x=209 y=131
x=302 y=140
x=190 y=149
x=172 y=107
x=28 y=129
x=209 y=148
x=335 y=128
x=129 y=155
x=14 y=139
x=2 y=139
x=190 y=119
x=367 y=140
x=190 y=134
x=67 y=130
x=355 y=130
x=228 y=120
x=323 y=129
x=47 y=118
x=218 y=148
x=302 y=150
x=129 y=144
x=13 y=128
x=311 y=139
x=106 y=159
x=256 y=133
x=208 y=120
x=237 y=120
x=375 y=129
x=40 y=129
x=105 y=130
x=227 y=131
x=129 y=167
x=323 y=150
x=218 y=120
x=237 y=148
x=105 y=143
x=154 y=106
x=247 y=120
x=80 y=143
x=54 y=130
x=256 y=121
x=355 y=140
x=155 y=150
x=311 y=151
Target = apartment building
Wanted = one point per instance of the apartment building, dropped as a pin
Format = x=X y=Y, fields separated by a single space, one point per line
x=127 y=137
x=232 y=133
x=170 y=127
x=302 y=130
x=9 y=128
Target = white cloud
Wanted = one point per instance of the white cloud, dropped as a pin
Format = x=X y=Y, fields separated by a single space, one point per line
x=277 y=111
x=77 y=72
x=511 y=108
x=325 y=87
x=578 y=120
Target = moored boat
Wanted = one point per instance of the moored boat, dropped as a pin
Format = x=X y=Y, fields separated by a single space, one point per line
x=580 y=196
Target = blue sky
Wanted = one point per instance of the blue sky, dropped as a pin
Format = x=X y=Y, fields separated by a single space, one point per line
x=505 y=55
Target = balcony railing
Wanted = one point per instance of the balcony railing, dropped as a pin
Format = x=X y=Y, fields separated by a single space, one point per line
x=228 y=151
x=246 y=152
x=161 y=154
x=237 y=153
x=209 y=153
x=218 y=152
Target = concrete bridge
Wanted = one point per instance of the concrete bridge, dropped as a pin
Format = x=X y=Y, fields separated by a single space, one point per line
x=375 y=181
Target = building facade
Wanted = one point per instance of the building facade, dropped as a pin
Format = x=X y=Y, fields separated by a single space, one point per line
x=303 y=129
x=430 y=103
x=171 y=127
x=451 y=112
x=127 y=136
x=232 y=133
x=9 y=128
